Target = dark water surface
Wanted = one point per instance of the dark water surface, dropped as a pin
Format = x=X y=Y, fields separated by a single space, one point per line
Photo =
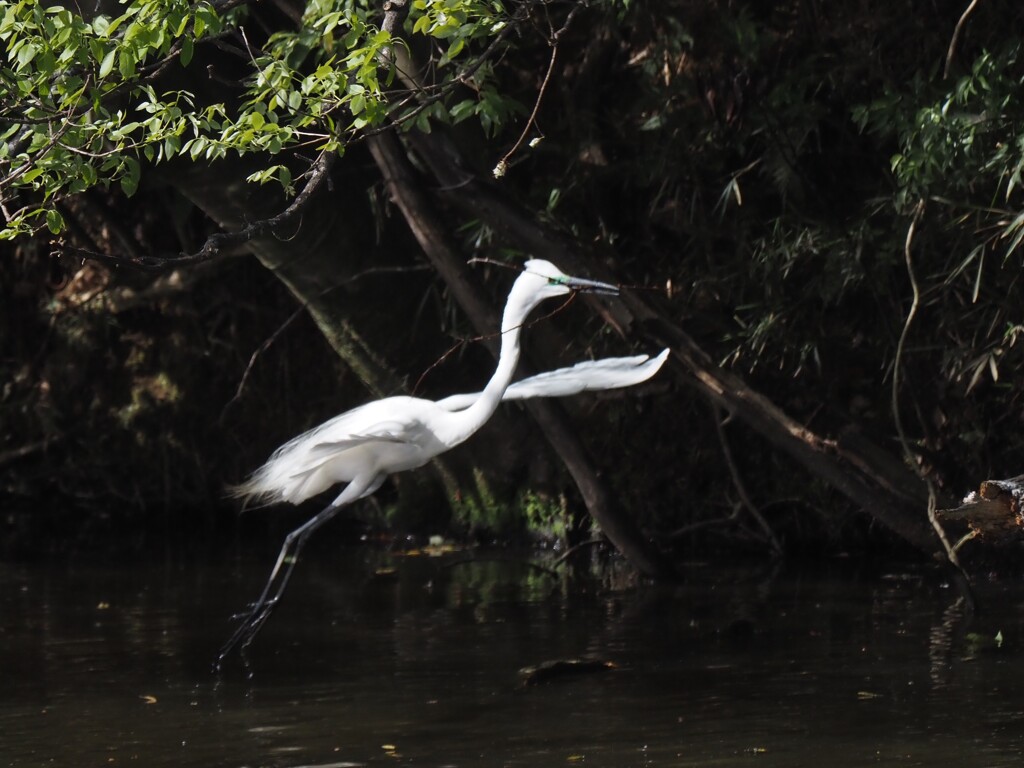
x=111 y=666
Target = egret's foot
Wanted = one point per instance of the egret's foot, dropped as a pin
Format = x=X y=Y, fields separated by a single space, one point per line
x=253 y=609
x=246 y=632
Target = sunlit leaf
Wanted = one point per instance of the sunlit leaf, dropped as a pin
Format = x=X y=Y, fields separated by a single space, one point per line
x=107 y=65
x=54 y=221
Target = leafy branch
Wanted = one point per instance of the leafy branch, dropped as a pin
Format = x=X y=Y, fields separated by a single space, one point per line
x=92 y=107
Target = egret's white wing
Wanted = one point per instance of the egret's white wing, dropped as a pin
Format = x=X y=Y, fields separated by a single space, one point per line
x=293 y=467
x=588 y=376
x=334 y=447
x=386 y=432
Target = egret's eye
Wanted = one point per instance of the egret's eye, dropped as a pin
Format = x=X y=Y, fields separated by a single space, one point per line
x=557 y=281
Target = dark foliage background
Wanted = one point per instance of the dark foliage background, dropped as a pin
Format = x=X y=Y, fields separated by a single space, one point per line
x=764 y=159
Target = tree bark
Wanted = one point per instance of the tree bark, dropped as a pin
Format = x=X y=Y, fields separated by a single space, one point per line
x=315 y=260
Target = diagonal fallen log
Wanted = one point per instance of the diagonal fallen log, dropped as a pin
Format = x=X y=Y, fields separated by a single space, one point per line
x=847 y=470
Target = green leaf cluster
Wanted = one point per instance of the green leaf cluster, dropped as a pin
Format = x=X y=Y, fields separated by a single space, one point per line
x=69 y=85
x=457 y=22
x=957 y=141
x=92 y=102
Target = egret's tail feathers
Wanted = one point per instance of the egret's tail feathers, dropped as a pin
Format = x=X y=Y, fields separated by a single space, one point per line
x=255 y=491
x=283 y=479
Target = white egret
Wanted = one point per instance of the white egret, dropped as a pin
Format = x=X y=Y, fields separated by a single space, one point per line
x=366 y=444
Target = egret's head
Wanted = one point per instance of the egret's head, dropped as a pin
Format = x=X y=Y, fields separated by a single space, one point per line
x=542 y=280
x=545 y=280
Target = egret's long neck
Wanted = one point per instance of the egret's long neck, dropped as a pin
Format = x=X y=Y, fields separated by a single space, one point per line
x=474 y=417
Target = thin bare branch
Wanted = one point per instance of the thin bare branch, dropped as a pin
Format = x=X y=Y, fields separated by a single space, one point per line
x=897 y=366
x=269 y=342
x=502 y=165
x=901 y=344
x=741 y=488
x=217 y=244
x=955 y=40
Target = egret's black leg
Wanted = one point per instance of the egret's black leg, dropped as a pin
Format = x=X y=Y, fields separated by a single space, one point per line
x=246 y=632
x=274 y=589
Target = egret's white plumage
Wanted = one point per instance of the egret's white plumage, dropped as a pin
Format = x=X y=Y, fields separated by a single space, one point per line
x=351 y=444
x=400 y=433
x=384 y=436
x=588 y=376
x=361 y=447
